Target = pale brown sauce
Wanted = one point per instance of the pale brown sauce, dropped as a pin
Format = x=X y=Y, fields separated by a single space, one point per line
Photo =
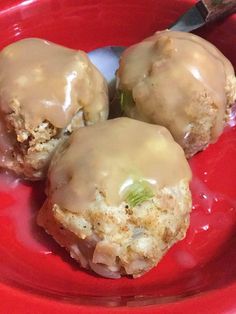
x=109 y=157
x=166 y=71
x=50 y=82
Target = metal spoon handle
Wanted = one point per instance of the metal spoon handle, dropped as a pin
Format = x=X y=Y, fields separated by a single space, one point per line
x=203 y=12
x=216 y=8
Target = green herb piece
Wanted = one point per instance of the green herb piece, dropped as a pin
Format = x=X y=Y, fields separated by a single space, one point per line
x=126 y=99
x=138 y=192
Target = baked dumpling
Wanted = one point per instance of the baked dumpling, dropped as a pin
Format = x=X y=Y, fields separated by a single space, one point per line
x=181 y=81
x=46 y=91
x=118 y=196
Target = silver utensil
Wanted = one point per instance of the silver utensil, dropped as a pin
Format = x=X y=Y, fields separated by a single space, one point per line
x=107 y=58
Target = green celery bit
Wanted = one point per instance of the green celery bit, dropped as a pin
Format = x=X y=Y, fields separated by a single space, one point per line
x=137 y=193
x=126 y=99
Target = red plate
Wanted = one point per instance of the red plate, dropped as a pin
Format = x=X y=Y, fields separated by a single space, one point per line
x=199 y=273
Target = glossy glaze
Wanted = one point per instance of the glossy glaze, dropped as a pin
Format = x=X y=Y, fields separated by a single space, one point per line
x=99 y=157
x=43 y=81
x=33 y=267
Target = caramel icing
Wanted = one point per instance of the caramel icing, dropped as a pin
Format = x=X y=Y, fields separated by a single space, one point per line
x=109 y=157
x=45 y=81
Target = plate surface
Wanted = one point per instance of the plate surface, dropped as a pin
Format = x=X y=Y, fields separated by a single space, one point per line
x=199 y=273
